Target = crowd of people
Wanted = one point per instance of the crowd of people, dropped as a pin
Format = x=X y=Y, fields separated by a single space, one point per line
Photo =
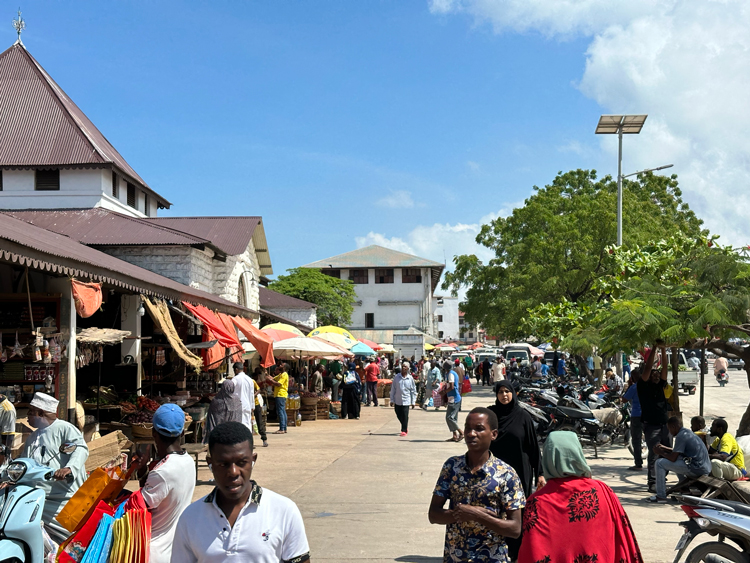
x=506 y=499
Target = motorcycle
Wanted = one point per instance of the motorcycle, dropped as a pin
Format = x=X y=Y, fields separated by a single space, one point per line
x=722 y=378
x=729 y=520
x=22 y=538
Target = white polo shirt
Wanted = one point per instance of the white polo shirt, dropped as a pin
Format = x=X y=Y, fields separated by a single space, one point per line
x=269 y=529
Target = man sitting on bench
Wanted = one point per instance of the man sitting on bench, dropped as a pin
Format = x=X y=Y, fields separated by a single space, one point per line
x=727 y=459
x=689 y=456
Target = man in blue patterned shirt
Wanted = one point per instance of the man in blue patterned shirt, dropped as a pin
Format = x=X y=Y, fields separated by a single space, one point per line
x=485 y=494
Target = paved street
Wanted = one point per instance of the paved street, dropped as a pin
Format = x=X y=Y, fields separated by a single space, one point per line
x=364 y=492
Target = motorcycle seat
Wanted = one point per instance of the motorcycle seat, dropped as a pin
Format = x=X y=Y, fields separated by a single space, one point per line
x=575 y=413
x=739 y=507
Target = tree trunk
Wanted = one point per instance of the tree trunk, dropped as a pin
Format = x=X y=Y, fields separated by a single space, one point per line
x=744 y=427
x=583 y=367
x=675 y=354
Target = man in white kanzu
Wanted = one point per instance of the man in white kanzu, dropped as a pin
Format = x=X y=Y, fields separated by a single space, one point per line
x=245 y=389
x=43 y=445
x=168 y=487
x=239 y=520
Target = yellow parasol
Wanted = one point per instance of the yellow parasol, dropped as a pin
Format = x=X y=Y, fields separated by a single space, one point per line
x=428 y=346
x=336 y=335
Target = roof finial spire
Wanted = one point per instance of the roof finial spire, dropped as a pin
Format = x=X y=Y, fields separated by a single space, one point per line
x=19 y=25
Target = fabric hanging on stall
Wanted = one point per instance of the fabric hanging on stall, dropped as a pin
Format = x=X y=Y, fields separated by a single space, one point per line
x=163 y=320
x=87 y=297
x=259 y=339
x=214 y=356
x=236 y=351
x=226 y=338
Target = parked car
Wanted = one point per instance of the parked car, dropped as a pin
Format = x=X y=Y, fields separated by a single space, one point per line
x=733 y=362
x=688 y=378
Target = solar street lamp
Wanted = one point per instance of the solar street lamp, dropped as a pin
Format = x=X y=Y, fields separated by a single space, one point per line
x=620 y=125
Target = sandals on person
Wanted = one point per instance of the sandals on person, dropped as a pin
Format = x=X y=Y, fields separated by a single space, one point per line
x=280 y=432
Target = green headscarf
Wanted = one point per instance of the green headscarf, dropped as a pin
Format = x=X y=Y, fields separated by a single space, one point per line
x=562 y=456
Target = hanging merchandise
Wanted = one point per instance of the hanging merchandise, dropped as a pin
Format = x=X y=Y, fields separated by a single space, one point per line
x=3 y=351
x=55 y=351
x=160 y=357
x=37 y=353
x=17 y=348
x=100 y=353
x=87 y=296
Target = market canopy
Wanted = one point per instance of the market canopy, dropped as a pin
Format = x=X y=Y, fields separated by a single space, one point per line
x=362 y=349
x=428 y=346
x=159 y=312
x=387 y=349
x=259 y=340
x=336 y=335
x=277 y=334
x=370 y=343
x=305 y=348
x=226 y=338
x=285 y=327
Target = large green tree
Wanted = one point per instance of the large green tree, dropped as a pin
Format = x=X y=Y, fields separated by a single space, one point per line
x=334 y=297
x=682 y=291
x=553 y=248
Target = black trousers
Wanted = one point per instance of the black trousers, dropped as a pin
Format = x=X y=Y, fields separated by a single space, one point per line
x=636 y=439
x=655 y=434
x=402 y=413
x=350 y=403
x=260 y=420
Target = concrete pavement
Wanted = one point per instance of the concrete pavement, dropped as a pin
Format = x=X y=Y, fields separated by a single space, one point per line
x=364 y=492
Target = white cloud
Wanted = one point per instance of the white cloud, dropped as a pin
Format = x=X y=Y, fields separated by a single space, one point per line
x=473 y=166
x=397 y=199
x=393 y=243
x=684 y=63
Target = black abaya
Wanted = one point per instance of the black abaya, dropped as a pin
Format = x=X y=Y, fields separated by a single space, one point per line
x=516 y=445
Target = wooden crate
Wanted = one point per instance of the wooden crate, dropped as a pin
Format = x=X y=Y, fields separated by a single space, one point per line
x=308 y=413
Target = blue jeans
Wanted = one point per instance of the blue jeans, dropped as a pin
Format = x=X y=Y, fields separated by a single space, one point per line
x=281 y=412
x=662 y=466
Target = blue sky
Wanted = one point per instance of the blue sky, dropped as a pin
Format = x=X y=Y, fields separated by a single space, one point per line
x=345 y=123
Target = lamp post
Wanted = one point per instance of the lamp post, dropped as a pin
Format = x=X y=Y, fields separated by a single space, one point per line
x=620 y=125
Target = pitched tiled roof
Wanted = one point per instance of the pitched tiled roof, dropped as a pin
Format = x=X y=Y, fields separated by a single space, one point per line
x=41 y=126
x=231 y=235
x=103 y=227
x=37 y=248
x=270 y=299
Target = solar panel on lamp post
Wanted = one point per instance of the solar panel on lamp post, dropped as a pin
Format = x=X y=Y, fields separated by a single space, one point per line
x=620 y=125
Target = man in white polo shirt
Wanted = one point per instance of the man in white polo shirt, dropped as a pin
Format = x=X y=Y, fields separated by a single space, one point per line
x=239 y=520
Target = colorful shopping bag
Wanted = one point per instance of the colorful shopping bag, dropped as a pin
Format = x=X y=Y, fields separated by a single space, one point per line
x=74 y=547
x=466 y=385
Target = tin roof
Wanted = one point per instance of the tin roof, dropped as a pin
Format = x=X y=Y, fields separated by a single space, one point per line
x=103 y=227
x=375 y=256
x=270 y=299
x=40 y=126
x=37 y=248
x=231 y=235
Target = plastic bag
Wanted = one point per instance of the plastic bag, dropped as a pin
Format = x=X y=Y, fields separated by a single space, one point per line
x=466 y=385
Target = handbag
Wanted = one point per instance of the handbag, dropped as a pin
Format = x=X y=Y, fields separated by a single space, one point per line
x=350 y=378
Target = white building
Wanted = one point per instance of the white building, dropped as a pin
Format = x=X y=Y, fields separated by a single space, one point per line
x=446 y=317
x=394 y=289
x=59 y=172
x=278 y=307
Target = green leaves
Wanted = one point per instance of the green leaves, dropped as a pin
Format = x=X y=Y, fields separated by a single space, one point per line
x=334 y=297
x=556 y=250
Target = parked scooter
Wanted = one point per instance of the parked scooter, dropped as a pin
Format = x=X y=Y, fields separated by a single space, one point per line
x=21 y=506
x=729 y=520
x=722 y=378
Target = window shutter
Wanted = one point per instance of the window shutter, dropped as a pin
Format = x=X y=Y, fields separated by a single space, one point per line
x=131 y=195
x=115 y=187
x=47 y=180
x=145 y=204
x=1 y=180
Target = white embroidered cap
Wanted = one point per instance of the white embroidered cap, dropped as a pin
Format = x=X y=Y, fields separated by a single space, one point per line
x=45 y=402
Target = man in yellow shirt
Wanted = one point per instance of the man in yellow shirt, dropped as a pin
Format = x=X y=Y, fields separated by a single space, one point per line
x=727 y=459
x=280 y=383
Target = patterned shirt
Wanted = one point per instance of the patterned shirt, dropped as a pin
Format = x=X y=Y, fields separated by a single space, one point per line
x=495 y=486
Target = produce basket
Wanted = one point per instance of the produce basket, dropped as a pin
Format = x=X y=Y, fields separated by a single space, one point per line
x=141 y=430
x=197 y=412
x=310 y=401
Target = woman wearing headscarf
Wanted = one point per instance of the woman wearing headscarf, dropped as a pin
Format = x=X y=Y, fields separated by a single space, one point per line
x=516 y=444
x=350 y=385
x=574 y=517
x=225 y=407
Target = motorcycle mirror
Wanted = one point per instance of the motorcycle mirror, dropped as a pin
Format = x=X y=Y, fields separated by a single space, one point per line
x=68 y=448
x=44 y=451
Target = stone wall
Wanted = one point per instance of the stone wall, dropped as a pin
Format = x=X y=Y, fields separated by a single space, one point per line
x=307 y=317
